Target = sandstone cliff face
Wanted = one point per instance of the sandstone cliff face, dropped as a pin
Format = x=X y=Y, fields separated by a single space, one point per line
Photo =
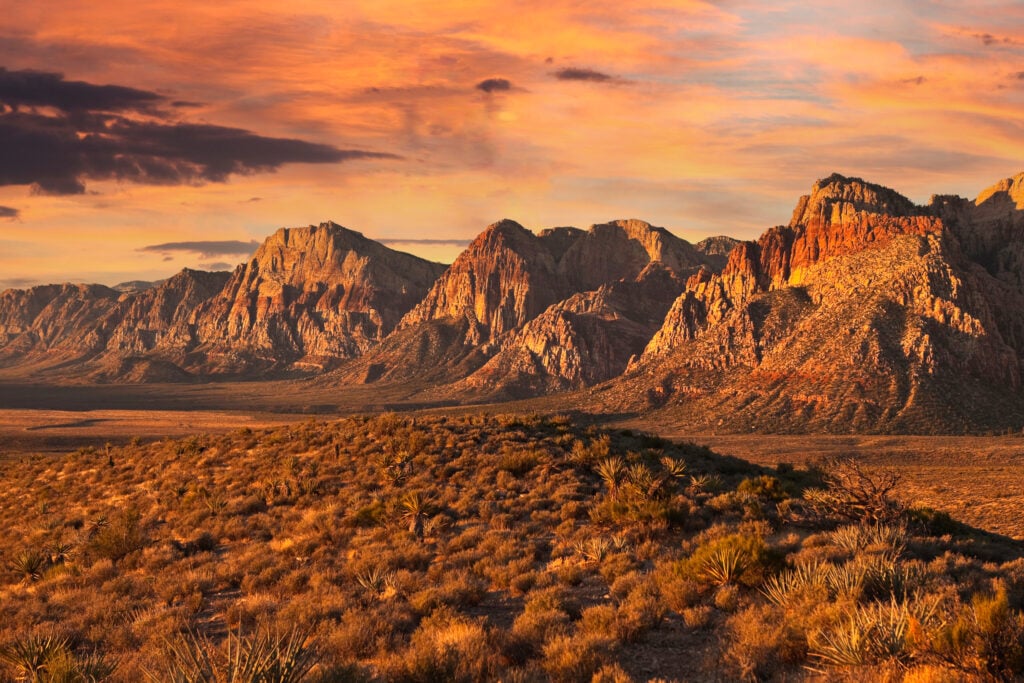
x=505 y=277
x=841 y=216
x=555 y=307
x=863 y=313
x=57 y=320
x=585 y=339
x=316 y=295
x=162 y=317
x=309 y=297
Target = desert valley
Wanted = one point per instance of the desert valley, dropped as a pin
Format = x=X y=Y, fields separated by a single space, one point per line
x=575 y=454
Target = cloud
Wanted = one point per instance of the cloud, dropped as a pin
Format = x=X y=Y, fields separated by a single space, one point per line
x=576 y=74
x=490 y=85
x=57 y=153
x=920 y=80
x=426 y=242
x=1020 y=75
x=217 y=265
x=49 y=89
x=8 y=212
x=205 y=249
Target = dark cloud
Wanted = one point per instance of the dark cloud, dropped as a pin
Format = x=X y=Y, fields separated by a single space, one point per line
x=251 y=200
x=914 y=81
x=426 y=242
x=1020 y=75
x=576 y=74
x=90 y=139
x=8 y=212
x=217 y=265
x=205 y=249
x=490 y=85
x=49 y=89
x=989 y=39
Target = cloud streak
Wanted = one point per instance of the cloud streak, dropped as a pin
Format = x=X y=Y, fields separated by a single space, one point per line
x=205 y=249
x=8 y=213
x=578 y=74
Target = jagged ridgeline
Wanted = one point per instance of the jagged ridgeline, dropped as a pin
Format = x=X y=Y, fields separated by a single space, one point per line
x=866 y=312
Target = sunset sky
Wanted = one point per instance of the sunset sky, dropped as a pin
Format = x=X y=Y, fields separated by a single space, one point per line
x=138 y=138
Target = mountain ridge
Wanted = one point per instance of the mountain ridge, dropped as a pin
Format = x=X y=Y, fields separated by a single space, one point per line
x=865 y=312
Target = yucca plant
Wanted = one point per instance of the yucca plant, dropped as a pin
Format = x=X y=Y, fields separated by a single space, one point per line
x=264 y=658
x=377 y=580
x=593 y=549
x=781 y=588
x=29 y=564
x=414 y=511
x=32 y=656
x=673 y=467
x=725 y=565
x=611 y=471
x=845 y=645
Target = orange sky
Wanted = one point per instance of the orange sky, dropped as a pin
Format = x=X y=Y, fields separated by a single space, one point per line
x=702 y=117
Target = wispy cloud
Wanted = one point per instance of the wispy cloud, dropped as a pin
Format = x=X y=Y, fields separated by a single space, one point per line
x=8 y=213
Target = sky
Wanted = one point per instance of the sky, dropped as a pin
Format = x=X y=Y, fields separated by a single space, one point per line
x=140 y=137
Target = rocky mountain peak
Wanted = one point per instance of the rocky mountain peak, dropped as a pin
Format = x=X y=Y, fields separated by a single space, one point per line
x=838 y=198
x=1006 y=191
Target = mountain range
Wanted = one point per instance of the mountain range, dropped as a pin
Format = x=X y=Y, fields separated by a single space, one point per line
x=865 y=312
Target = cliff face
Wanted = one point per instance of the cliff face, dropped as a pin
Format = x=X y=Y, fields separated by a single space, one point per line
x=565 y=307
x=58 y=320
x=863 y=313
x=316 y=295
x=309 y=297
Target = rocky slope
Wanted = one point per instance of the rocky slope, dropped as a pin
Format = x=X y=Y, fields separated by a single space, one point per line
x=562 y=308
x=313 y=296
x=309 y=297
x=865 y=312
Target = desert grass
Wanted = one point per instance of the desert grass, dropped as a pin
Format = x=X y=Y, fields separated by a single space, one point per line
x=480 y=547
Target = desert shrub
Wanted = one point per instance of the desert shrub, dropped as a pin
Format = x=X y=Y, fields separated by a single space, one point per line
x=115 y=540
x=445 y=647
x=732 y=559
x=573 y=659
x=761 y=645
x=852 y=493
